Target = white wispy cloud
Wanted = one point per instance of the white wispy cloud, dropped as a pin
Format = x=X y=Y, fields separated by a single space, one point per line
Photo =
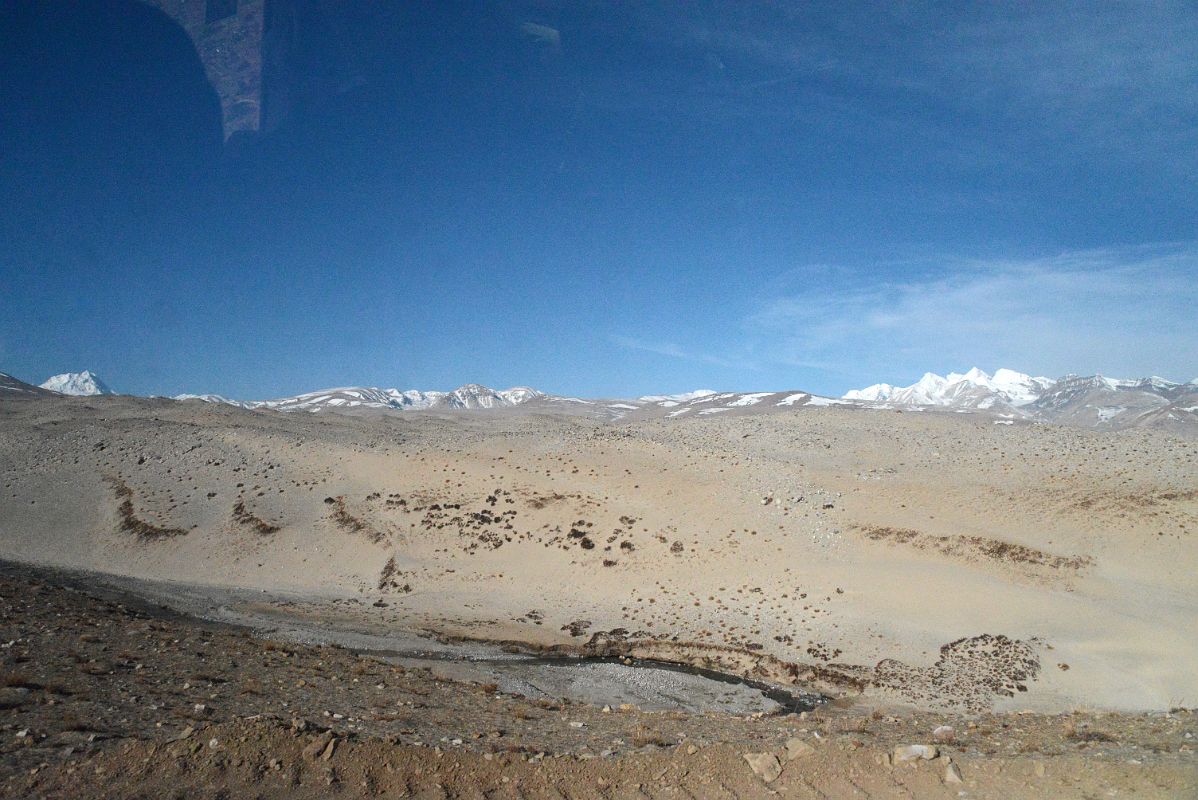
x=1083 y=78
x=543 y=33
x=1129 y=311
x=672 y=350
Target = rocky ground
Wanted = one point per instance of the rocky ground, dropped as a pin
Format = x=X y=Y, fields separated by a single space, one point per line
x=105 y=696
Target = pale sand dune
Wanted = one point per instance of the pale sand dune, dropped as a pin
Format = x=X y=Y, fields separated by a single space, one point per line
x=1074 y=551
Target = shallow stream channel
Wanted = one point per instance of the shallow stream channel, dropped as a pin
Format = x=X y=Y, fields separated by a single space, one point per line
x=648 y=685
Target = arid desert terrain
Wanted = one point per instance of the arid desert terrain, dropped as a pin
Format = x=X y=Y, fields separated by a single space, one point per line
x=209 y=599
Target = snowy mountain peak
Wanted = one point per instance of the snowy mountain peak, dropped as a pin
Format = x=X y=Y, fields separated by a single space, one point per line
x=876 y=393
x=80 y=384
x=932 y=380
x=975 y=389
x=520 y=394
x=474 y=395
x=974 y=376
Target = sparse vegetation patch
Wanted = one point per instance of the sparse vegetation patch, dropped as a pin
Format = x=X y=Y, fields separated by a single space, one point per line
x=243 y=516
x=131 y=523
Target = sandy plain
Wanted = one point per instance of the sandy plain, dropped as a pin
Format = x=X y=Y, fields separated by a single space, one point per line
x=897 y=564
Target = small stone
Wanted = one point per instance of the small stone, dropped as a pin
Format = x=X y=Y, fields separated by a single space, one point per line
x=691 y=749
x=578 y=724
x=12 y=697
x=200 y=708
x=797 y=748
x=328 y=750
x=914 y=752
x=317 y=745
x=214 y=743
x=943 y=733
x=21 y=734
x=951 y=773
x=764 y=765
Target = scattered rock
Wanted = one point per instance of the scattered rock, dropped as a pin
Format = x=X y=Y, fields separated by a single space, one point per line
x=798 y=748
x=951 y=773
x=328 y=750
x=914 y=752
x=764 y=765
x=318 y=745
x=943 y=733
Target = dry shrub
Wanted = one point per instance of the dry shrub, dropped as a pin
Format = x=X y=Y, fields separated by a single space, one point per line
x=644 y=736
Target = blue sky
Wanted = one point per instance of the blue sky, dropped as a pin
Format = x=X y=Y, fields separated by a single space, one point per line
x=615 y=199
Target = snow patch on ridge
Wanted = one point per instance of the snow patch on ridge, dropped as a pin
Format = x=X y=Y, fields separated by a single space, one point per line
x=677 y=398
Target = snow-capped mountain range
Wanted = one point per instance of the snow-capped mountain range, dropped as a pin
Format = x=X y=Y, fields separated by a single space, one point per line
x=1007 y=396
x=79 y=384
x=1094 y=401
x=973 y=389
x=470 y=396
x=978 y=389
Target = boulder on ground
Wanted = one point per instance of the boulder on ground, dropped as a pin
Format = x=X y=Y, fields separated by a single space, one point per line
x=798 y=748
x=765 y=765
x=914 y=752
